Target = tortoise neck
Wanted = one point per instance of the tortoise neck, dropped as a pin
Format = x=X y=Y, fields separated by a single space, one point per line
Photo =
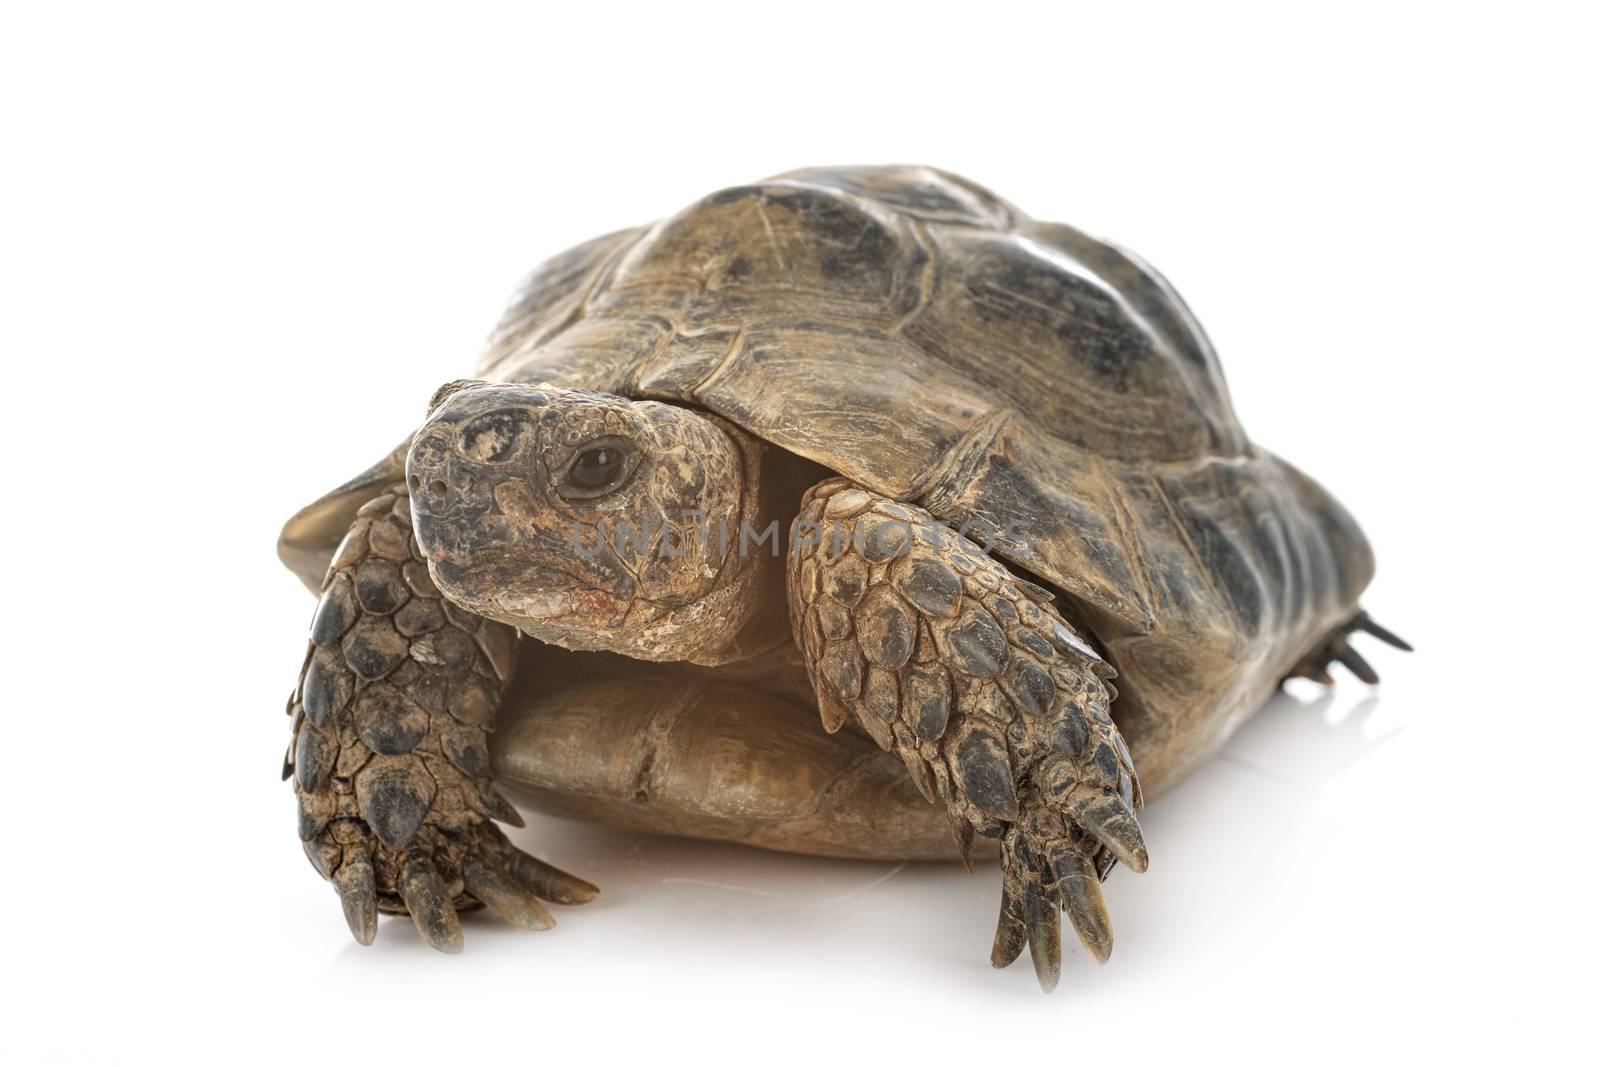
x=748 y=617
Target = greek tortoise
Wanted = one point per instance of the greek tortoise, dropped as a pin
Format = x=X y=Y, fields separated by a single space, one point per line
x=866 y=442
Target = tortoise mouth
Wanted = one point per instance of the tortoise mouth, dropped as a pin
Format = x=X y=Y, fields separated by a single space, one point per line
x=501 y=583
x=535 y=605
x=589 y=609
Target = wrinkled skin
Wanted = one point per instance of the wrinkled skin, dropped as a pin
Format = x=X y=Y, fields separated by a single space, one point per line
x=588 y=521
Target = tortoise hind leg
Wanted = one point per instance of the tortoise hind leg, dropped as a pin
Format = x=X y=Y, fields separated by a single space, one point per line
x=1336 y=648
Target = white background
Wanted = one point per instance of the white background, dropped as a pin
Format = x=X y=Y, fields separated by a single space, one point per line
x=241 y=247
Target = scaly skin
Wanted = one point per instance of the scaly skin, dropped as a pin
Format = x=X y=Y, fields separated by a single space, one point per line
x=998 y=708
x=390 y=745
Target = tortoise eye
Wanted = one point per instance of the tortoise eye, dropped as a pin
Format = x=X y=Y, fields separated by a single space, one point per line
x=596 y=470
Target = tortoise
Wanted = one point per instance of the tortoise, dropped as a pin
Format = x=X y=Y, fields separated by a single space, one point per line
x=859 y=443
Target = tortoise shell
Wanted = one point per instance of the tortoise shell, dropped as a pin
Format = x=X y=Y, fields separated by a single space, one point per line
x=1048 y=391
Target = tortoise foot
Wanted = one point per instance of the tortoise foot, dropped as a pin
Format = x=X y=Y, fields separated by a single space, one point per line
x=1335 y=648
x=1053 y=858
x=436 y=875
x=1074 y=823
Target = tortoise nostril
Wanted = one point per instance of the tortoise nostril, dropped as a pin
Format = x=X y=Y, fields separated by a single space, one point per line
x=414 y=482
x=437 y=487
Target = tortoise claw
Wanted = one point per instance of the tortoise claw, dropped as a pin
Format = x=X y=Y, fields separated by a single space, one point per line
x=435 y=877
x=1054 y=857
x=506 y=897
x=500 y=808
x=1010 y=934
x=423 y=890
x=1364 y=623
x=358 y=894
x=1085 y=905
x=549 y=882
x=1043 y=917
x=965 y=839
x=1355 y=663
x=1113 y=824
x=1336 y=649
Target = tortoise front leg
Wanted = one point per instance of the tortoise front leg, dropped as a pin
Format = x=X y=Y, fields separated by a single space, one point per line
x=997 y=707
x=390 y=745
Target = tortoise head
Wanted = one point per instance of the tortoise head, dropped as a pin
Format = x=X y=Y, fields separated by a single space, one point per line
x=583 y=519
